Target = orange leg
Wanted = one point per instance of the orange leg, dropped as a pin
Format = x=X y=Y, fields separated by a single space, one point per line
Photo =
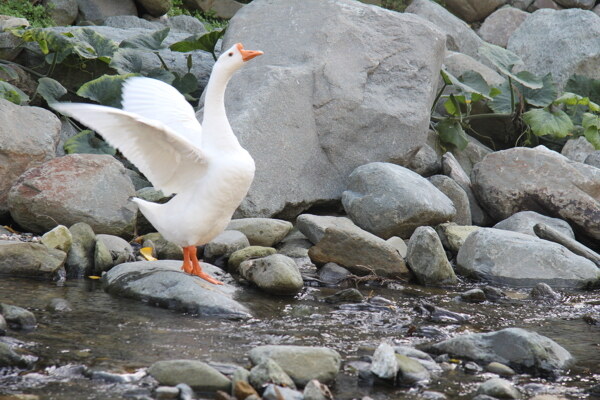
x=196 y=269
x=187 y=263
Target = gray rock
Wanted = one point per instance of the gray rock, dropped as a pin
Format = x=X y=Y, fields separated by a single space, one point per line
x=9 y=47
x=155 y=8
x=29 y=259
x=459 y=63
x=314 y=226
x=453 y=236
x=18 y=317
x=350 y=295
x=499 y=369
x=268 y=371
x=186 y=23
x=543 y=291
x=521 y=4
x=539 y=4
x=411 y=371
x=131 y=21
x=561 y=43
x=473 y=10
x=499 y=388
x=389 y=200
x=275 y=274
x=166 y=393
x=315 y=390
x=385 y=364
x=500 y=25
x=585 y=4
x=10 y=358
x=102 y=258
x=248 y=253
x=225 y=244
x=59 y=305
x=262 y=231
x=3 y=326
x=454 y=170
x=62 y=12
x=457 y=195
x=295 y=248
x=97 y=10
x=518 y=348
x=164 y=249
x=593 y=159
x=546 y=232
x=162 y=283
x=577 y=149
x=87 y=188
x=425 y=161
x=459 y=36
x=541 y=180
x=343 y=112
x=185 y=391
x=399 y=245
x=28 y=138
x=117 y=249
x=59 y=238
x=80 y=259
x=515 y=259
x=274 y=392
x=198 y=375
x=220 y=8
x=138 y=181
x=427 y=259
x=333 y=274
x=473 y=296
x=301 y=363
x=524 y=221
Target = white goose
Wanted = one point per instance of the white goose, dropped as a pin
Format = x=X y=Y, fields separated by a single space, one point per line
x=205 y=166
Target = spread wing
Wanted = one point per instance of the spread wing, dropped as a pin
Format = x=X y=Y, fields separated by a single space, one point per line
x=156 y=100
x=167 y=159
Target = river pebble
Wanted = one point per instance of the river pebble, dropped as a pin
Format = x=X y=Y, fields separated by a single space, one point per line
x=274 y=392
x=500 y=369
x=197 y=374
x=265 y=232
x=58 y=238
x=275 y=274
x=248 y=253
x=225 y=244
x=345 y=296
x=268 y=371
x=18 y=317
x=166 y=393
x=499 y=388
x=315 y=390
x=59 y=305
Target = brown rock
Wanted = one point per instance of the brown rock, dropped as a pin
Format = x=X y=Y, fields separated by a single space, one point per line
x=498 y=27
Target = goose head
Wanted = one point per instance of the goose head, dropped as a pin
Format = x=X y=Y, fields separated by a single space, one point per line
x=232 y=59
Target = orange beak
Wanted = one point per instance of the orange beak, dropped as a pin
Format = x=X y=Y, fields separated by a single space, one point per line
x=248 y=54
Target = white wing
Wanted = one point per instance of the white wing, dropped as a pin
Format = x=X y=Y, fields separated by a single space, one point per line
x=167 y=159
x=156 y=100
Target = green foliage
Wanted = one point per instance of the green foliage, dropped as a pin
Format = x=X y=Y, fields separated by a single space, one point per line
x=105 y=90
x=12 y=93
x=50 y=90
x=88 y=143
x=209 y=21
x=204 y=41
x=36 y=14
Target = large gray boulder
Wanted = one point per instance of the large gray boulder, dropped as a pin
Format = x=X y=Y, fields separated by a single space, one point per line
x=389 y=200
x=516 y=259
x=559 y=42
x=541 y=180
x=585 y=4
x=357 y=87
x=520 y=349
x=524 y=222
x=501 y=24
x=28 y=138
x=162 y=283
x=76 y=188
x=97 y=10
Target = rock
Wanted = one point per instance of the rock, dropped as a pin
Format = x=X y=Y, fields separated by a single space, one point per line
x=459 y=36
x=165 y=250
x=80 y=259
x=473 y=10
x=295 y=248
x=539 y=4
x=28 y=138
x=499 y=388
x=471 y=155
x=543 y=291
x=518 y=348
x=29 y=259
x=333 y=274
x=439 y=314
x=593 y=159
x=261 y=231
x=242 y=389
x=359 y=251
x=521 y=4
x=162 y=283
x=102 y=258
x=9 y=46
x=248 y=253
x=62 y=12
x=346 y=111
x=314 y=226
x=425 y=161
x=453 y=236
x=560 y=43
x=198 y=375
x=10 y=358
x=139 y=182
x=225 y=244
x=185 y=392
x=155 y=8
x=118 y=250
x=301 y=363
x=389 y=200
x=59 y=238
x=8 y=21
x=275 y=274
x=97 y=10
x=274 y=392
x=459 y=63
x=17 y=317
x=596 y=9
x=457 y=195
x=385 y=364
x=315 y=390
x=473 y=296
x=166 y=393
x=268 y=371
x=577 y=149
x=427 y=259
x=220 y=8
x=87 y=188
x=515 y=259
x=3 y=326
x=351 y=295
x=58 y=305
x=499 y=369
x=546 y=232
x=585 y=4
x=411 y=371
x=454 y=170
x=500 y=25
x=524 y=221
x=541 y=180
x=399 y=245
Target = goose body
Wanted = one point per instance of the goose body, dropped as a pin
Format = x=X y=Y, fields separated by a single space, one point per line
x=204 y=165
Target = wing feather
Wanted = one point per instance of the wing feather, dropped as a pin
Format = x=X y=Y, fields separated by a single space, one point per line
x=167 y=159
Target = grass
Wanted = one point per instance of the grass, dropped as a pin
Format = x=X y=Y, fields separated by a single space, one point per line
x=209 y=21
x=35 y=13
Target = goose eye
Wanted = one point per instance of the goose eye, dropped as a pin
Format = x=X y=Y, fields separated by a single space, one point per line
x=230 y=54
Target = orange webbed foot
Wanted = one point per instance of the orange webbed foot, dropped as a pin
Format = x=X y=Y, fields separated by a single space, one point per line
x=196 y=269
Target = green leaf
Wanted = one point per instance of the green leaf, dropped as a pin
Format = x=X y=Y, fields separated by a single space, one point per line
x=90 y=44
x=451 y=132
x=501 y=102
x=475 y=80
x=128 y=61
x=54 y=45
x=528 y=79
x=86 y=142
x=187 y=84
x=50 y=90
x=572 y=99
x=12 y=93
x=446 y=77
x=584 y=86
x=204 y=41
x=591 y=129
x=464 y=88
x=151 y=41
x=10 y=71
x=161 y=75
x=541 y=97
x=544 y=121
x=503 y=59
x=105 y=90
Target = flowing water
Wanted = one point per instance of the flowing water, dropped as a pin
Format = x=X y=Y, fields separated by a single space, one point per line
x=115 y=335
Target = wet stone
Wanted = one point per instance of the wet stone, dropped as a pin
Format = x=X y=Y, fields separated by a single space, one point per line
x=29 y=259
x=385 y=364
x=499 y=388
x=275 y=274
x=185 y=391
x=262 y=231
x=427 y=258
x=500 y=369
x=225 y=244
x=268 y=371
x=315 y=390
x=243 y=389
x=164 y=249
x=247 y=253
x=411 y=371
x=472 y=368
x=80 y=259
x=10 y=358
x=274 y=392
x=333 y=274
x=58 y=305
x=198 y=375
x=3 y=326
x=58 y=238
x=544 y=291
x=473 y=296
x=346 y=296
x=17 y=317
x=166 y=393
